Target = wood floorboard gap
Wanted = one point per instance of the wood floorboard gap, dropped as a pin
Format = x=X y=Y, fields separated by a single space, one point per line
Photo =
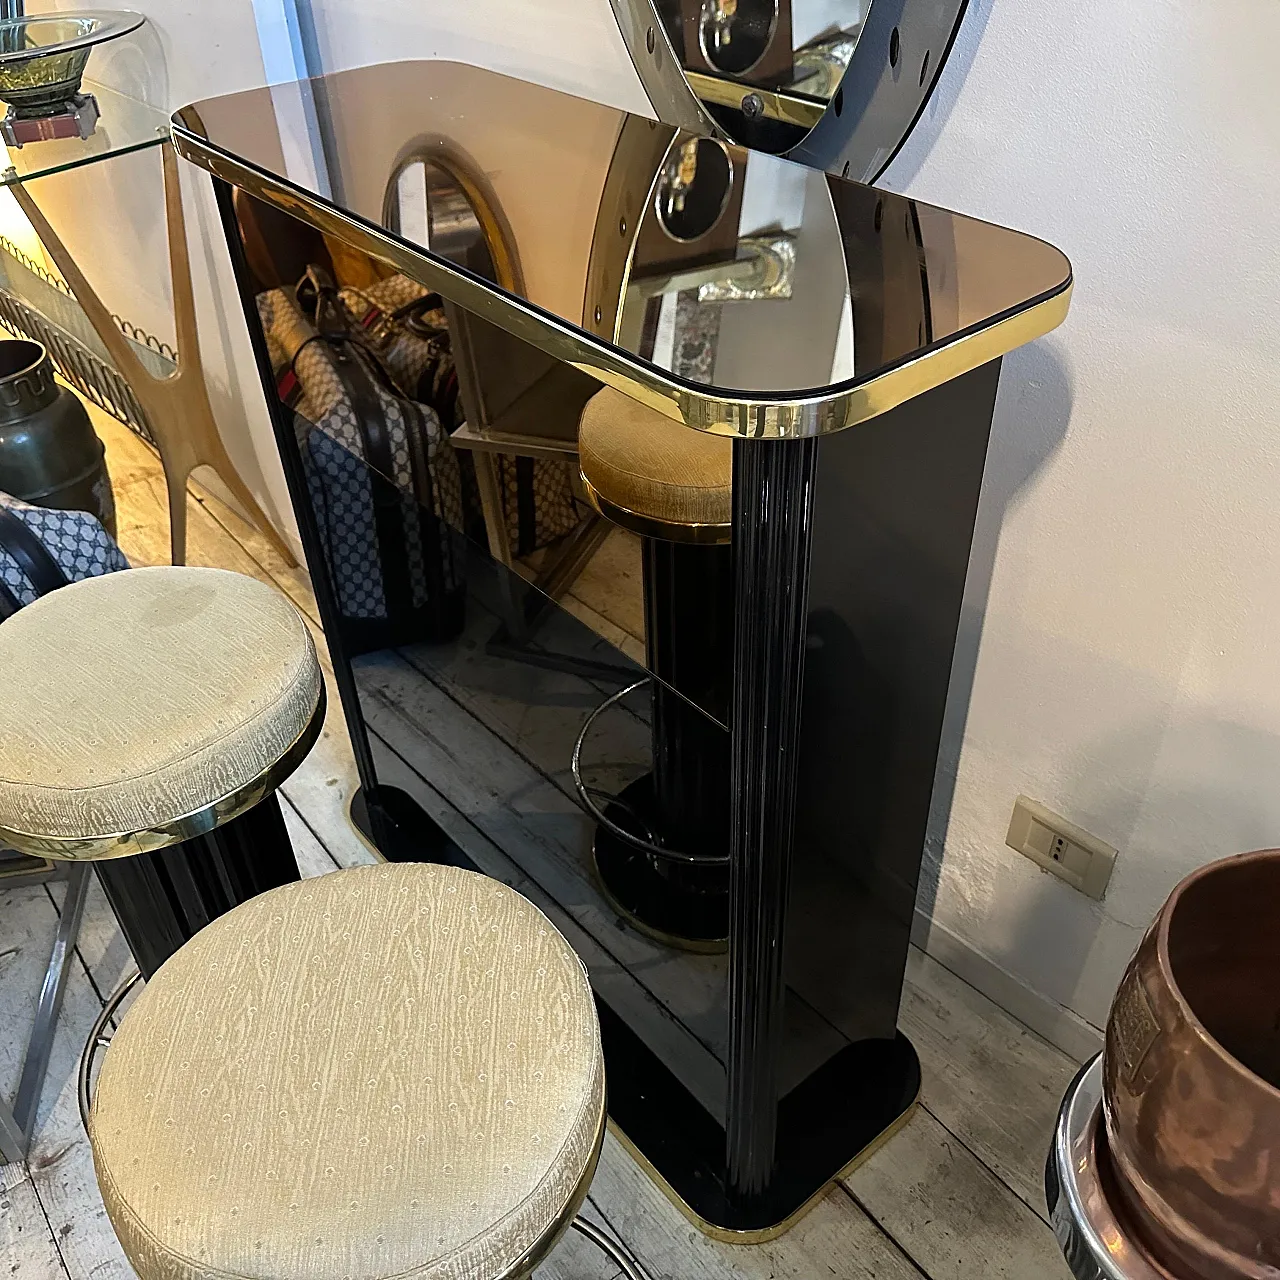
x=306 y=822
x=1039 y=1210
x=53 y=1235
x=884 y=1231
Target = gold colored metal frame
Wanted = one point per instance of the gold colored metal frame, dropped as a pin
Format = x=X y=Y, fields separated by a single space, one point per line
x=199 y=822
x=783 y=416
x=790 y=108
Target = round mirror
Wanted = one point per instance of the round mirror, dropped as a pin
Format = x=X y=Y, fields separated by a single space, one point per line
x=694 y=189
x=734 y=36
x=835 y=84
x=426 y=203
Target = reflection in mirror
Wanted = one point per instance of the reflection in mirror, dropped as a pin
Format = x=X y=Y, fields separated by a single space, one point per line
x=800 y=47
x=837 y=84
x=793 y=52
x=429 y=204
x=694 y=189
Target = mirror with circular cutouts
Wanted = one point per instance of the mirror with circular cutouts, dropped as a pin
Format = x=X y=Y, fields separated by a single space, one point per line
x=835 y=84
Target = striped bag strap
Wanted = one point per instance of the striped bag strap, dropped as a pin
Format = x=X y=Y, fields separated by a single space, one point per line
x=34 y=559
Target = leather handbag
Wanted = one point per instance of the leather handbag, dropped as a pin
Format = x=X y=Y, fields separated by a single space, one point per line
x=384 y=481
x=406 y=326
x=43 y=548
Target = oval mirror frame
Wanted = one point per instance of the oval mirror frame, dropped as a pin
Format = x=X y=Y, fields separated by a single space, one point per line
x=453 y=189
x=899 y=54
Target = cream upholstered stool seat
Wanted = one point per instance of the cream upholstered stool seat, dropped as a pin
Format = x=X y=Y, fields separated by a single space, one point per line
x=655 y=476
x=385 y=1071
x=146 y=712
x=148 y=706
x=661 y=845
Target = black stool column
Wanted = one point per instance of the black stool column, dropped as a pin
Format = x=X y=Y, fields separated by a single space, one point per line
x=688 y=618
x=163 y=899
x=683 y=803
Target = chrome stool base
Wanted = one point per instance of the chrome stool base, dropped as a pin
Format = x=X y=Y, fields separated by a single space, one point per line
x=18 y=1122
x=99 y=1039
x=611 y=1248
x=679 y=904
x=677 y=898
x=1095 y=1243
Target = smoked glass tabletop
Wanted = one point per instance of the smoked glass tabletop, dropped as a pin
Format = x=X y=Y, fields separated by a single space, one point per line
x=717 y=282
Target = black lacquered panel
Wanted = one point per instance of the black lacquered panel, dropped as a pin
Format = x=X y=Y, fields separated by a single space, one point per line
x=809 y=283
x=469 y=684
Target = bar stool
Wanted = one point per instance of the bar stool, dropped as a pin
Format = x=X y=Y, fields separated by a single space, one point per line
x=387 y=1071
x=661 y=847
x=147 y=708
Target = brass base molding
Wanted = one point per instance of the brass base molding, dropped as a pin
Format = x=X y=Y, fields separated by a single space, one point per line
x=762 y=1235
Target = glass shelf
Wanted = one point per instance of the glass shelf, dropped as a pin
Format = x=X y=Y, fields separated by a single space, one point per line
x=125 y=125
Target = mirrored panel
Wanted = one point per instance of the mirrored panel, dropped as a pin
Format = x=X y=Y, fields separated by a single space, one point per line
x=515 y=657
x=837 y=83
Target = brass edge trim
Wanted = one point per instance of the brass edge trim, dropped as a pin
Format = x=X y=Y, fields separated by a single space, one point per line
x=364 y=839
x=641 y=148
x=650 y=527
x=764 y=1235
x=786 y=417
x=536 y=1254
x=790 y=108
x=196 y=823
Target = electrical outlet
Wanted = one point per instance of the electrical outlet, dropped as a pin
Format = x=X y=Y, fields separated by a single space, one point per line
x=1060 y=847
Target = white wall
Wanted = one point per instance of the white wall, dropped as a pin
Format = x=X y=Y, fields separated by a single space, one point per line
x=1129 y=670
x=572 y=45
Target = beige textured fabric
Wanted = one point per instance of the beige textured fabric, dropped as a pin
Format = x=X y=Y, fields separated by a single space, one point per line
x=138 y=697
x=387 y=1071
x=638 y=459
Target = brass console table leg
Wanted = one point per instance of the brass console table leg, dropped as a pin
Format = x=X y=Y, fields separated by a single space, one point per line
x=176 y=407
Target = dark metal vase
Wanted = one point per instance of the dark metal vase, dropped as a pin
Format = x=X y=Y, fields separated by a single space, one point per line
x=49 y=454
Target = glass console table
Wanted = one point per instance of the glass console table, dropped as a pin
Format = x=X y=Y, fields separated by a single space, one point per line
x=166 y=384
x=158 y=388
x=848 y=342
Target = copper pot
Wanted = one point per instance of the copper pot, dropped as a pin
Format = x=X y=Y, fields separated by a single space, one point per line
x=1191 y=1075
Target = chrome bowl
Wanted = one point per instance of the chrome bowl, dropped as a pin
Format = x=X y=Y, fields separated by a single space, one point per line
x=1095 y=1242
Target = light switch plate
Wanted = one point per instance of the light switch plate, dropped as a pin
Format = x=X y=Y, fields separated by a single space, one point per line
x=1060 y=847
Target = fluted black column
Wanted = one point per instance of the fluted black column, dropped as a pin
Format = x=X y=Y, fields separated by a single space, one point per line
x=773 y=505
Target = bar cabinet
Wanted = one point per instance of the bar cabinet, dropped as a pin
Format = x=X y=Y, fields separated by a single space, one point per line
x=847 y=341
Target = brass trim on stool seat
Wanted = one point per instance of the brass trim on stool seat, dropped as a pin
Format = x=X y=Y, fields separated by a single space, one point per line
x=647 y=526
x=199 y=822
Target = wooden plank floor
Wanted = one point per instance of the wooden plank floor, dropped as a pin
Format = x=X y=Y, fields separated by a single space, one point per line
x=955 y=1196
